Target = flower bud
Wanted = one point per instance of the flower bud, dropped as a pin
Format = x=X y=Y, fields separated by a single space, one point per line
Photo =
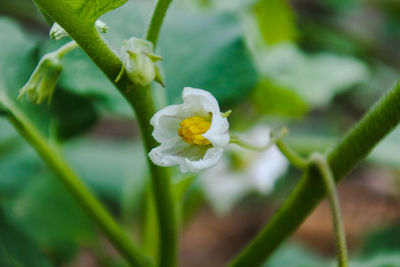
x=57 y=32
x=139 y=62
x=43 y=80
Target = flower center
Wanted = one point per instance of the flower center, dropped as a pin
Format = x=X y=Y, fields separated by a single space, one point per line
x=191 y=130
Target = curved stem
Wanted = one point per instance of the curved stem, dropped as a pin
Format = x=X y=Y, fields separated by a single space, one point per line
x=274 y=139
x=157 y=18
x=63 y=50
x=294 y=158
x=337 y=221
x=141 y=100
x=78 y=190
x=355 y=146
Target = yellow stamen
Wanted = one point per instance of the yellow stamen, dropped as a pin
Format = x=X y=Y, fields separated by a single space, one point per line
x=191 y=130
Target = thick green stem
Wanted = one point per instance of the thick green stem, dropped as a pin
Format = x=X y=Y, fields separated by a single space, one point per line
x=320 y=162
x=140 y=98
x=78 y=190
x=159 y=12
x=355 y=146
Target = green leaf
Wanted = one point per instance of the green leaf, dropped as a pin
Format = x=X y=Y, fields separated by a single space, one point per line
x=107 y=167
x=93 y=9
x=294 y=255
x=72 y=114
x=268 y=98
x=316 y=78
x=382 y=240
x=46 y=211
x=16 y=249
x=219 y=63
x=276 y=21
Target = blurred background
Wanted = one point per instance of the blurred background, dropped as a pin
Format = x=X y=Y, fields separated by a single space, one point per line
x=313 y=66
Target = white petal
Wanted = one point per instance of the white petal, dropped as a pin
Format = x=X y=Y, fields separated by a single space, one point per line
x=210 y=158
x=218 y=134
x=198 y=101
x=166 y=122
x=267 y=169
x=203 y=103
x=176 y=152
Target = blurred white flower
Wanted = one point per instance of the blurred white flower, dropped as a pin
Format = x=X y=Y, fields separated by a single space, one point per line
x=192 y=135
x=245 y=172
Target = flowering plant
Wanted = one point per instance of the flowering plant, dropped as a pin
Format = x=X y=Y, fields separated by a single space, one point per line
x=192 y=153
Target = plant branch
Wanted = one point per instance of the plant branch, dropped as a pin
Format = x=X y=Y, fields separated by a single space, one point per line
x=141 y=100
x=159 y=12
x=320 y=162
x=355 y=146
x=78 y=190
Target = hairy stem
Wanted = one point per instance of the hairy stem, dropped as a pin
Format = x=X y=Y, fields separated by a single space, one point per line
x=140 y=98
x=159 y=12
x=355 y=146
x=320 y=162
x=78 y=190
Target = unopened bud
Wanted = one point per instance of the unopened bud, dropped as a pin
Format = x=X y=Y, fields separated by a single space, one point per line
x=139 y=62
x=43 y=80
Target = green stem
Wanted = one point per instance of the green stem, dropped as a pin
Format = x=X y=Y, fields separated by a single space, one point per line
x=140 y=98
x=355 y=146
x=77 y=189
x=337 y=221
x=156 y=21
x=66 y=48
x=274 y=139
x=294 y=158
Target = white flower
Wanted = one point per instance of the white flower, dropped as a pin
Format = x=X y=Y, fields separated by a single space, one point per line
x=192 y=135
x=244 y=172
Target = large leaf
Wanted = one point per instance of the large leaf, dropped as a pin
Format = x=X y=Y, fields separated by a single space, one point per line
x=199 y=50
x=90 y=10
x=315 y=78
x=46 y=211
x=16 y=249
x=268 y=98
x=109 y=167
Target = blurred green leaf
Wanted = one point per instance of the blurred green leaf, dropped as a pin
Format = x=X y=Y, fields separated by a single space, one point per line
x=383 y=240
x=72 y=114
x=16 y=249
x=219 y=63
x=46 y=211
x=378 y=260
x=268 y=98
x=16 y=169
x=276 y=21
x=316 y=78
x=107 y=167
x=294 y=255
